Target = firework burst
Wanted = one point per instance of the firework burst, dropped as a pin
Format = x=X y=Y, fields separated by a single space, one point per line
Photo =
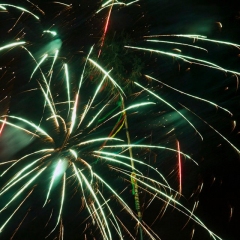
x=75 y=115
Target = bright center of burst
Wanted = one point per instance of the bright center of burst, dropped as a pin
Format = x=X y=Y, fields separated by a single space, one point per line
x=60 y=168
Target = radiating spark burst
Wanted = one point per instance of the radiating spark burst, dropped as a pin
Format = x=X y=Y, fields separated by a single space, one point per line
x=75 y=155
x=69 y=156
x=78 y=128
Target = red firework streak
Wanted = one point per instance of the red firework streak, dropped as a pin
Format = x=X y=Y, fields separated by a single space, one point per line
x=179 y=167
x=1 y=128
x=105 y=30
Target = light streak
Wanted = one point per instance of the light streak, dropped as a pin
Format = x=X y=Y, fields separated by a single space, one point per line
x=179 y=167
x=11 y=45
x=105 y=29
x=167 y=103
x=3 y=124
x=19 y=8
x=201 y=99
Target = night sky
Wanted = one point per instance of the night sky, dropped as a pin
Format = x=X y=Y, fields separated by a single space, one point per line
x=214 y=184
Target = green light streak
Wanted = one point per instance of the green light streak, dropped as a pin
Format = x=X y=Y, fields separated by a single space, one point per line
x=16 y=126
x=128 y=108
x=177 y=43
x=62 y=120
x=68 y=87
x=23 y=188
x=197 y=220
x=107 y=2
x=74 y=153
x=38 y=129
x=38 y=65
x=106 y=6
x=64 y=4
x=74 y=111
x=18 y=180
x=81 y=185
x=125 y=206
x=84 y=67
x=177 y=35
x=167 y=103
x=10 y=161
x=98 y=88
x=113 y=4
x=55 y=173
x=50 y=105
x=19 y=173
x=43 y=76
x=98 y=220
x=20 y=159
x=61 y=206
x=184 y=58
x=149 y=146
x=180 y=56
x=94 y=96
x=171 y=199
x=20 y=8
x=11 y=45
x=97 y=114
x=127 y=4
x=51 y=32
x=106 y=73
x=221 y=42
x=201 y=99
x=117 y=161
x=74 y=115
x=62 y=198
x=233 y=146
x=86 y=202
x=4 y=224
x=90 y=169
x=135 y=160
x=84 y=113
x=118 y=230
x=99 y=205
x=198 y=37
x=99 y=140
x=54 y=60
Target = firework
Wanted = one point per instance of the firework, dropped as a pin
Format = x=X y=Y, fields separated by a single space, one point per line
x=89 y=158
